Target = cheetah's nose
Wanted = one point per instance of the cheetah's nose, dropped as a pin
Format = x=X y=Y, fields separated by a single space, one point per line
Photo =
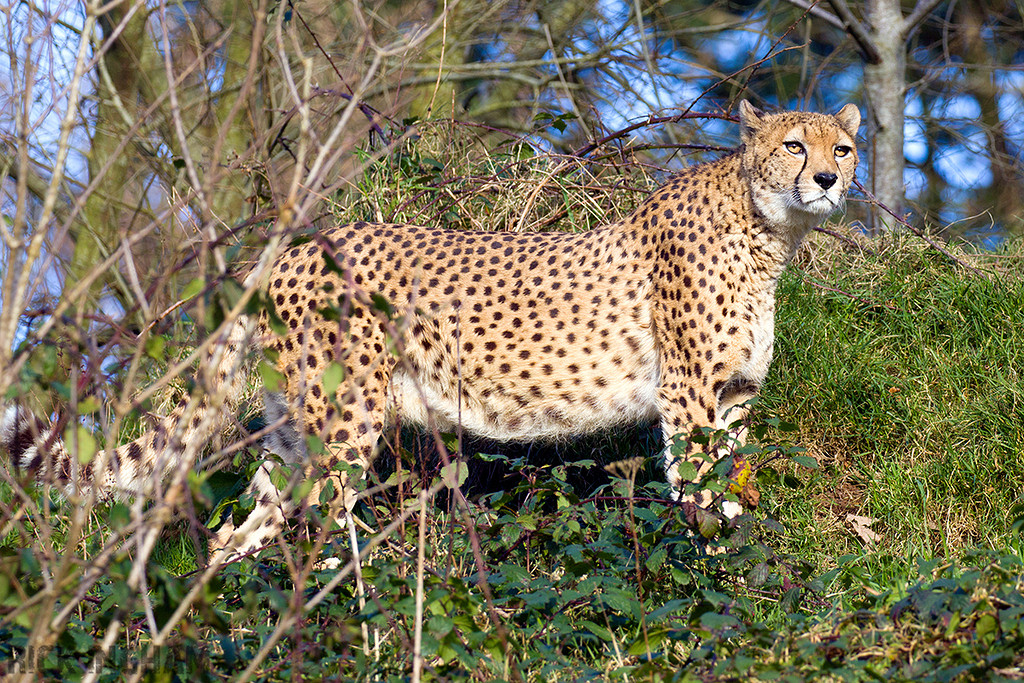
x=825 y=179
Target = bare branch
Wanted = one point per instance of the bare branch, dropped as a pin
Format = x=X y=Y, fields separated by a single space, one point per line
x=818 y=12
x=917 y=231
x=857 y=31
x=920 y=13
x=34 y=182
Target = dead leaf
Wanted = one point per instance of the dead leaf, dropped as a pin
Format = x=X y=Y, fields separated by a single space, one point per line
x=861 y=526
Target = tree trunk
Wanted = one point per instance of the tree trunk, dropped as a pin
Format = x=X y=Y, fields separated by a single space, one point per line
x=885 y=89
x=111 y=168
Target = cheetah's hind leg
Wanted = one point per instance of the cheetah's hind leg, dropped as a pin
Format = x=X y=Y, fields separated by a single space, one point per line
x=273 y=487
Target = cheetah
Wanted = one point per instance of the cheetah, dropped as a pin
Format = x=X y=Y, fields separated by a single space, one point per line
x=665 y=316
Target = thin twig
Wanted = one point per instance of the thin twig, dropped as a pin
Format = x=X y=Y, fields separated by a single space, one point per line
x=417 y=643
x=845 y=238
x=917 y=231
x=816 y=11
x=920 y=13
x=649 y=121
x=860 y=299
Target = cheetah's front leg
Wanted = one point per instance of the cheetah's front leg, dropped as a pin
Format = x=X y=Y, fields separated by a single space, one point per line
x=685 y=411
x=261 y=527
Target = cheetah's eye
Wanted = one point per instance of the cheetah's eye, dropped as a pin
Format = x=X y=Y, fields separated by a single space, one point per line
x=842 y=151
x=794 y=147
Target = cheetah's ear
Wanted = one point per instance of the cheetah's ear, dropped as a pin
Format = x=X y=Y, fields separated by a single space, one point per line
x=849 y=119
x=751 y=120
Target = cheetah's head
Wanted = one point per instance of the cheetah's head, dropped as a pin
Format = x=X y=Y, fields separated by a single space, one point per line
x=800 y=165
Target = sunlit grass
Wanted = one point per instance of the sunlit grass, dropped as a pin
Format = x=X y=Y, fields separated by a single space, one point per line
x=907 y=385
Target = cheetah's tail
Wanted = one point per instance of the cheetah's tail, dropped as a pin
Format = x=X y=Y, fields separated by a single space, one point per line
x=36 y=450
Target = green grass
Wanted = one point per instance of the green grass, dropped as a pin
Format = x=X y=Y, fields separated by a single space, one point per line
x=909 y=389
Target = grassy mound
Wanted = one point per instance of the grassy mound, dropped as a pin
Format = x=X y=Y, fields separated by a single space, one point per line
x=905 y=374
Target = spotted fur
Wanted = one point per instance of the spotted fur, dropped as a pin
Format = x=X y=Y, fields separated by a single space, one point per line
x=667 y=315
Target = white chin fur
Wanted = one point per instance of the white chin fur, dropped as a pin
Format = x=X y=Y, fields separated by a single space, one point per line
x=822 y=206
x=793 y=210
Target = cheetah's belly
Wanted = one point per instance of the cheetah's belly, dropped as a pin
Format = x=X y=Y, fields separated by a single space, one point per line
x=581 y=378
x=514 y=411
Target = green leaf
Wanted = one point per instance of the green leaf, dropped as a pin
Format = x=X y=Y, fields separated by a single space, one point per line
x=743 y=663
x=301 y=490
x=277 y=326
x=521 y=151
x=987 y=629
x=687 y=471
x=273 y=380
x=792 y=482
x=642 y=646
x=656 y=558
x=278 y=478
x=382 y=305
x=790 y=600
x=327 y=493
x=82 y=642
x=715 y=598
x=620 y=600
x=515 y=574
x=156 y=348
x=757 y=576
x=954 y=624
x=451 y=441
x=118 y=516
x=88 y=405
x=192 y=289
x=713 y=621
x=216 y=517
x=440 y=626
x=332 y=264
x=598 y=630
x=454 y=474
x=1017 y=515
x=333 y=377
x=707 y=524
x=527 y=521
x=231 y=293
x=433 y=163
x=85 y=440
x=315 y=445
x=805 y=461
